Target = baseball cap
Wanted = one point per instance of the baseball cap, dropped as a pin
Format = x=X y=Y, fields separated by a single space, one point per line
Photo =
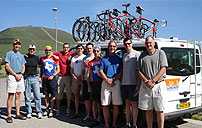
x=32 y=46
x=16 y=41
x=48 y=47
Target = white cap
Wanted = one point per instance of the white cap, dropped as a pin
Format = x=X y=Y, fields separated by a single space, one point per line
x=32 y=46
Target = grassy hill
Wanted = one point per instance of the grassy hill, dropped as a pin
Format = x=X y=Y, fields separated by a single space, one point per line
x=40 y=36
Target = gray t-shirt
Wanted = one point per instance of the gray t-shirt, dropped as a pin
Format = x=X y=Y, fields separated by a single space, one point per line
x=130 y=68
x=150 y=64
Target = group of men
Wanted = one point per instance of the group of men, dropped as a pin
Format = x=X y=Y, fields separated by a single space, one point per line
x=136 y=78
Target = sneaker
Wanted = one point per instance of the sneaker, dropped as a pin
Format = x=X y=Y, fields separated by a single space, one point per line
x=9 y=120
x=29 y=116
x=76 y=115
x=57 y=113
x=68 y=112
x=87 y=118
x=20 y=117
x=50 y=114
x=39 y=115
x=45 y=113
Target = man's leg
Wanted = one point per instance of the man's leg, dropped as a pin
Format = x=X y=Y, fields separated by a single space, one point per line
x=77 y=97
x=134 y=112
x=115 y=114
x=60 y=91
x=37 y=95
x=88 y=107
x=106 y=115
x=149 y=118
x=17 y=102
x=128 y=117
x=68 y=93
x=9 y=103
x=160 y=119
x=28 y=97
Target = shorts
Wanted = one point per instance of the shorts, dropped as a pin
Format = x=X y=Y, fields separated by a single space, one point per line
x=111 y=94
x=129 y=92
x=86 y=90
x=76 y=86
x=50 y=87
x=14 y=86
x=150 y=99
x=96 y=90
x=64 y=86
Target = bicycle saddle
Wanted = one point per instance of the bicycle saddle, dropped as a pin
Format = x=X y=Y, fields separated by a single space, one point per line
x=139 y=9
x=126 y=5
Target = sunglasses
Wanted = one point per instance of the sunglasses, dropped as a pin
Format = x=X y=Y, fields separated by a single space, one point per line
x=127 y=44
x=96 y=50
x=48 y=50
x=32 y=49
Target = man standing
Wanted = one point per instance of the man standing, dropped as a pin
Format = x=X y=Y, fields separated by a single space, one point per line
x=64 y=79
x=152 y=70
x=130 y=84
x=110 y=70
x=49 y=71
x=77 y=69
x=15 y=68
x=86 y=81
x=32 y=82
x=95 y=82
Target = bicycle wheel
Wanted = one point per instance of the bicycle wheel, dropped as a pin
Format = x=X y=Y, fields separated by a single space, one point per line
x=93 y=31
x=103 y=32
x=118 y=30
x=76 y=30
x=84 y=31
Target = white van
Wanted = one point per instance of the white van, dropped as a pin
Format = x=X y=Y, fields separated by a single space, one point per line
x=184 y=75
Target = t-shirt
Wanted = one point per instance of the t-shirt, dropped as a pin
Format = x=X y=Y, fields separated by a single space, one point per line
x=130 y=68
x=64 y=62
x=77 y=64
x=31 y=65
x=150 y=65
x=49 y=65
x=95 y=67
x=16 y=61
x=111 y=65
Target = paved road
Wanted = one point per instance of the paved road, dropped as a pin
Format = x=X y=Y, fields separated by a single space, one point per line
x=64 y=122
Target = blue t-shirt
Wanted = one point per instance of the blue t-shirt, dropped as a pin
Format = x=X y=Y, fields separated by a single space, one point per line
x=15 y=60
x=95 y=65
x=111 y=65
x=49 y=66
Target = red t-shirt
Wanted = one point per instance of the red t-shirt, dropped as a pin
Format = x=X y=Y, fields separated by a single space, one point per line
x=64 y=62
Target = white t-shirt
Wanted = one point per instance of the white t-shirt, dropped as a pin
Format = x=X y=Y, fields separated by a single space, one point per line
x=77 y=64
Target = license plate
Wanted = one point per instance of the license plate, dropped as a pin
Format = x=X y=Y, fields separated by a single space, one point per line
x=183 y=105
x=172 y=83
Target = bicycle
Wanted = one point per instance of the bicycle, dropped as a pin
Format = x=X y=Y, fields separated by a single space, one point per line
x=84 y=29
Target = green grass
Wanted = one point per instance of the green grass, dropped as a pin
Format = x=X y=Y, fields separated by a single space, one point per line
x=2 y=71
x=31 y=35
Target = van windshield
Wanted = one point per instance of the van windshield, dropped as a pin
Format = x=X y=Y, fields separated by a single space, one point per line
x=181 y=61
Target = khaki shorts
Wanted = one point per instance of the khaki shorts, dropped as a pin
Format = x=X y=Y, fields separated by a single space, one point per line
x=76 y=85
x=14 y=86
x=64 y=86
x=150 y=99
x=111 y=94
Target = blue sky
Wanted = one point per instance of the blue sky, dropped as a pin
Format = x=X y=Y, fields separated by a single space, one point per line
x=184 y=16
